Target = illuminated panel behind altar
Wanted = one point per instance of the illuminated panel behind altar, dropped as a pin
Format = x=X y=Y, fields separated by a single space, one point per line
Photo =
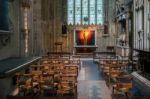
x=85 y=41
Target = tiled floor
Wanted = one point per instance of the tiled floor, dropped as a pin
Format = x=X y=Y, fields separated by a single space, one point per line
x=91 y=84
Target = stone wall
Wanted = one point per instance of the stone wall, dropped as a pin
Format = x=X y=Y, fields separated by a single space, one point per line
x=52 y=19
x=36 y=39
x=12 y=49
x=6 y=86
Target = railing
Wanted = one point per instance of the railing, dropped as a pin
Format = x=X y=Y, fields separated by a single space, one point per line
x=97 y=55
x=142 y=79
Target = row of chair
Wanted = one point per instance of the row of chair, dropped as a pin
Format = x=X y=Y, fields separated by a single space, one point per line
x=115 y=74
x=53 y=75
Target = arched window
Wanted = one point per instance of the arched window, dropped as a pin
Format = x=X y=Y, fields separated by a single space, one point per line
x=85 y=12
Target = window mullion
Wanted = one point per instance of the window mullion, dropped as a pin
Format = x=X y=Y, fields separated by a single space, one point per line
x=95 y=11
x=74 y=12
x=81 y=13
x=88 y=12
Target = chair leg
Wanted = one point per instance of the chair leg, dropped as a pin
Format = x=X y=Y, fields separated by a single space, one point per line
x=129 y=95
x=126 y=95
x=114 y=95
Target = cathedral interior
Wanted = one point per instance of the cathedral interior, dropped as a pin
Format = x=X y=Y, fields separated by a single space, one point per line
x=74 y=49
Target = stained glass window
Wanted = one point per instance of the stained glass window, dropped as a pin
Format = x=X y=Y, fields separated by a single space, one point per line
x=77 y=11
x=70 y=11
x=99 y=12
x=85 y=12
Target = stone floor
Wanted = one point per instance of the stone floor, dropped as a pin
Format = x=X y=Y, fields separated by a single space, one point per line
x=91 y=84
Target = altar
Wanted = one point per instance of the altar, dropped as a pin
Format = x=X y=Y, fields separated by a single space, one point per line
x=85 y=49
x=85 y=41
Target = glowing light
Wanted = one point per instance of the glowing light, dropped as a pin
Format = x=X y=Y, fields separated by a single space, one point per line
x=84 y=35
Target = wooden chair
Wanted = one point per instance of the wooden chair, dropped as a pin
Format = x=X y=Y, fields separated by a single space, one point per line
x=66 y=61
x=65 y=88
x=105 y=69
x=71 y=71
x=123 y=85
x=69 y=79
x=36 y=72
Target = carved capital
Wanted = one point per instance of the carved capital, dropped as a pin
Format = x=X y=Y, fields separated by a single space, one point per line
x=4 y=38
